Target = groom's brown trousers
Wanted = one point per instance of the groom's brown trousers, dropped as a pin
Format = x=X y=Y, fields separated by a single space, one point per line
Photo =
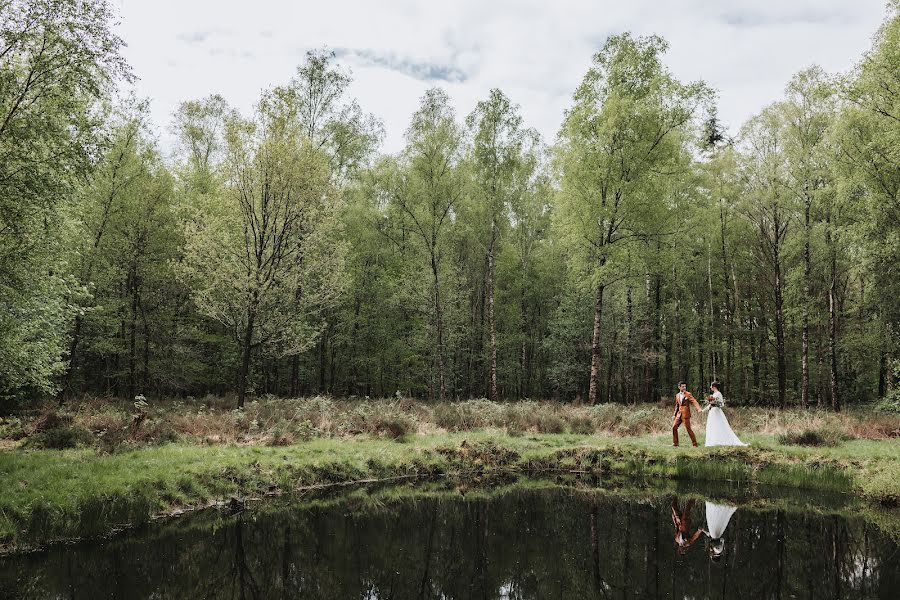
x=686 y=419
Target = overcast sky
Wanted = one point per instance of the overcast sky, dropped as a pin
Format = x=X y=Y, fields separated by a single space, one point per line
x=536 y=52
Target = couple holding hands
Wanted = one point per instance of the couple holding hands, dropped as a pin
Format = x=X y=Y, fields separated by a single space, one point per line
x=718 y=431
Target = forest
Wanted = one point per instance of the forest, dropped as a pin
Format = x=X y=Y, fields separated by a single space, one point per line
x=281 y=252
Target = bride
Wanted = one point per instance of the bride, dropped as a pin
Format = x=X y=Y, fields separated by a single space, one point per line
x=718 y=431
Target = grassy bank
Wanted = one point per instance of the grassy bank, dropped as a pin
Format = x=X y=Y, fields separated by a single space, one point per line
x=54 y=494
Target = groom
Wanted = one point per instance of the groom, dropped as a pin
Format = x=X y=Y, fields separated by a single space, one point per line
x=683 y=401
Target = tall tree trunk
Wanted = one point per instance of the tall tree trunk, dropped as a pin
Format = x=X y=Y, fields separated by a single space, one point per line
x=492 y=325
x=323 y=342
x=132 y=337
x=832 y=342
x=657 y=339
x=439 y=326
x=648 y=344
x=70 y=369
x=523 y=384
x=779 y=330
x=478 y=380
x=678 y=345
x=594 y=389
x=820 y=378
x=295 y=375
x=736 y=321
x=610 y=367
x=332 y=366
x=246 y=348
x=145 y=376
x=807 y=276
x=670 y=363
x=701 y=345
x=763 y=329
x=352 y=384
x=714 y=341
x=628 y=358
x=832 y=319
x=474 y=352
x=730 y=302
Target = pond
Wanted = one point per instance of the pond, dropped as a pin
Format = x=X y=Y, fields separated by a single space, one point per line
x=523 y=541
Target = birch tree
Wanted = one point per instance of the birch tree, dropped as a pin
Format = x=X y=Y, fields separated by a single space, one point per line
x=625 y=129
x=424 y=189
x=262 y=256
x=501 y=169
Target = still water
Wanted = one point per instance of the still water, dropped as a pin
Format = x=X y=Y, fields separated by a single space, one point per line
x=525 y=542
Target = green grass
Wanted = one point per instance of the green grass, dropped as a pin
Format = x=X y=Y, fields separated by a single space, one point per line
x=51 y=494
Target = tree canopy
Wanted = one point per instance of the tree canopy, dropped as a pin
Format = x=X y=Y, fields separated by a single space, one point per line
x=281 y=252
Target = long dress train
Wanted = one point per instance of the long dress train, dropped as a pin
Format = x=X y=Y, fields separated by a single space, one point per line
x=718 y=431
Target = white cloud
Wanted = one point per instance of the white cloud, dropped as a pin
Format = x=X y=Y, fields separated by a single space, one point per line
x=535 y=51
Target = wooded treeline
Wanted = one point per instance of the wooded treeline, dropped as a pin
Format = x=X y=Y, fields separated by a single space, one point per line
x=282 y=253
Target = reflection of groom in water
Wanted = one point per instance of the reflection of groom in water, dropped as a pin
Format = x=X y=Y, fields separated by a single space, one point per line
x=682 y=521
x=683 y=400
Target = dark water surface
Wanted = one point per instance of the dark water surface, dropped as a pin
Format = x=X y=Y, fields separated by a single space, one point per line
x=523 y=543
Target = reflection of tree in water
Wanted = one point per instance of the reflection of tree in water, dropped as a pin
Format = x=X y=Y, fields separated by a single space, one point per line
x=241 y=573
x=547 y=544
x=599 y=585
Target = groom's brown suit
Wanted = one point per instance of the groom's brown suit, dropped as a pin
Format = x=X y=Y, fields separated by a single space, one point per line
x=683 y=415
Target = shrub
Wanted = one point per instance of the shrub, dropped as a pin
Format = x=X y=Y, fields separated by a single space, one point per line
x=280 y=438
x=606 y=416
x=110 y=440
x=60 y=438
x=638 y=421
x=394 y=426
x=307 y=430
x=50 y=420
x=516 y=417
x=890 y=404
x=808 y=437
x=551 y=423
x=456 y=416
x=12 y=428
x=514 y=432
x=581 y=424
x=157 y=432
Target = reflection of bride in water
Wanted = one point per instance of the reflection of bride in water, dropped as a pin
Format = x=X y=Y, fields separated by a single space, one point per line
x=717 y=517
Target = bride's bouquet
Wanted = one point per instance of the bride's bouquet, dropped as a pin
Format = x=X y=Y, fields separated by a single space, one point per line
x=713 y=402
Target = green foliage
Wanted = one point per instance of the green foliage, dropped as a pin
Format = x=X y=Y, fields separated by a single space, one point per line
x=281 y=254
x=891 y=401
x=261 y=254
x=60 y=58
x=12 y=428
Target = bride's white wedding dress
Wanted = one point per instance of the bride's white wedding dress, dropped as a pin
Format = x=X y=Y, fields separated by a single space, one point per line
x=718 y=431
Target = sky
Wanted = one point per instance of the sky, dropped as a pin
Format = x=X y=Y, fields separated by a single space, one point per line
x=536 y=52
